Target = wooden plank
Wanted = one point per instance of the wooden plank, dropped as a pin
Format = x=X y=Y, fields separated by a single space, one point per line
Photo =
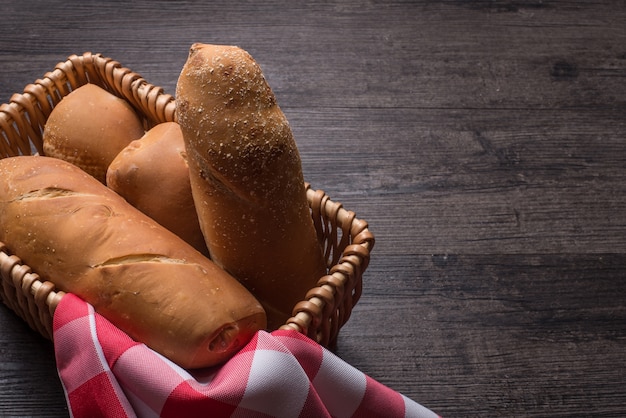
x=415 y=54
x=495 y=334
x=473 y=180
x=29 y=383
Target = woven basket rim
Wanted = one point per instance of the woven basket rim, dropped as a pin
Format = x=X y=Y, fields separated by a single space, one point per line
x=346 y=239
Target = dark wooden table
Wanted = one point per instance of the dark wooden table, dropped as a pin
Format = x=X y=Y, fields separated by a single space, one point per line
x=485 y=144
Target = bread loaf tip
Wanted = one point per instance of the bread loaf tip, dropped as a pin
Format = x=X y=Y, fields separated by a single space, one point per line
x=152 y=174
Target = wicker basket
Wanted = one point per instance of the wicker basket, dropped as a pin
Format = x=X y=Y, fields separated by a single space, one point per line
x=346 y=240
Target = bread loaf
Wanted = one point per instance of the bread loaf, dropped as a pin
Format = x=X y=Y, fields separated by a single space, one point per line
x=151 y=173
x=75 y=232
x=89 y=127
x=246 y=178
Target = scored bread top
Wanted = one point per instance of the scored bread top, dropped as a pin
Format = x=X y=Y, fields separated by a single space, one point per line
x=240 y=132
x=80 y=235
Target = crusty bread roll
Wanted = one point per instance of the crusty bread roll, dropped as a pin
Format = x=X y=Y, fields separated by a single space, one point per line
x=89 y=127
x=246 y=178
x=151 y=173
x=86 y=239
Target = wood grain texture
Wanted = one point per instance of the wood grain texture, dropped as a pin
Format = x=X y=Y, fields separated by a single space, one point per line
x=483 y=141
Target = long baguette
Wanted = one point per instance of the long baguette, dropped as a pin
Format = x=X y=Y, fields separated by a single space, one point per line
x=246 y=178
x=75 y=232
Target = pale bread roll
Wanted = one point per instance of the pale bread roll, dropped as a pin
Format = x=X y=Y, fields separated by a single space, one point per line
x=75 y=232
x=89 y=127
x=151 y=173
x=246 y=178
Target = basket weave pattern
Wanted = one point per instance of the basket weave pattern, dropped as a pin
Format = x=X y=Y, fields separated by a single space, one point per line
x=346 y=240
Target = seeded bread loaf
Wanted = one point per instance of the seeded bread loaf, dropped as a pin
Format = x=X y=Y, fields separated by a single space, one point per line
x=246 y=178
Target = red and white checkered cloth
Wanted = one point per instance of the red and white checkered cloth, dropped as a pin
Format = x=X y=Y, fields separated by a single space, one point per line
x=279 y=374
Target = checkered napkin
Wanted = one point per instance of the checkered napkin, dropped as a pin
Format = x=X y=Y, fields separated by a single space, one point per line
x=279 y=374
